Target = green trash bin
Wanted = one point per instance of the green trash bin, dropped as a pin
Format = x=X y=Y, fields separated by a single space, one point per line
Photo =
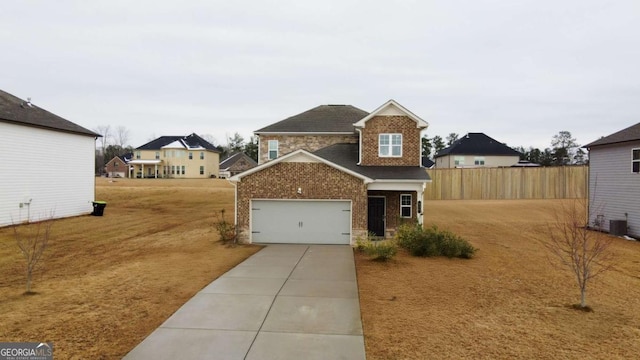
x=98 y=208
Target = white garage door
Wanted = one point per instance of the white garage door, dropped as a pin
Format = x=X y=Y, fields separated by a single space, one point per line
x=301 y=222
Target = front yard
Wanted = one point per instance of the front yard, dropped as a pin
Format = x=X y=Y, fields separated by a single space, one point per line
x=107 y=282
x=507 y=302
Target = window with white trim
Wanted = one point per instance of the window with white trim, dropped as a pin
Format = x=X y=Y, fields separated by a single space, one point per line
x=458 y=160
x=635 y=161
x=201 y=170
x=273 y=149
x=390 y=145
x=478 y=161
x=405 y=205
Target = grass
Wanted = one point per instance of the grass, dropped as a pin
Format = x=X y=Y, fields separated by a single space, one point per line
x=108 y=282
x=509 y=301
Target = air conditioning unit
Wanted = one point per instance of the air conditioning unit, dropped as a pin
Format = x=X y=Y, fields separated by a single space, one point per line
x=618 y=227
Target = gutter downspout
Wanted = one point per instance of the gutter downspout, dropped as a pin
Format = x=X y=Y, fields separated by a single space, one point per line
x=359 y=146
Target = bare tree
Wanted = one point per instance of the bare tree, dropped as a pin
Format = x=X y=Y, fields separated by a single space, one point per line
x=105 y=131
x=121 y=136
x=586 y=253
x=32 y=245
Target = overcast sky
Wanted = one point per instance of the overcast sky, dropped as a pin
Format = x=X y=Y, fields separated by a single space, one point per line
x=519 y=71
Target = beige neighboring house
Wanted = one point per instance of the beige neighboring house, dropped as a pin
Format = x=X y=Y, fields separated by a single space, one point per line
x=180 y=157
x=476 y=150
x=331 y=174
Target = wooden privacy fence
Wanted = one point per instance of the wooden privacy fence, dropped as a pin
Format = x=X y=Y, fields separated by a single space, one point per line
x=562 y=182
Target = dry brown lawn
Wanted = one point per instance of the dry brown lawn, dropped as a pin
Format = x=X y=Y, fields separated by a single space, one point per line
x=107 y=282
x=507 y=302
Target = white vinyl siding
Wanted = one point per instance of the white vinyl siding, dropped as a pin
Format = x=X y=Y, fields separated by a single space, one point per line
x=390 y=145
x=43 y=173
x=614 y=191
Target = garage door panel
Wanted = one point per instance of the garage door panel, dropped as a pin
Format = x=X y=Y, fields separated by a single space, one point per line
x=308 y=222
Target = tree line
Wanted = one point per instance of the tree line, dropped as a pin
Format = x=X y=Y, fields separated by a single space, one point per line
x=564 y=149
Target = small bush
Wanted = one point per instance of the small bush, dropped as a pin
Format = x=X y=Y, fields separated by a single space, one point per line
x=226 y=230
x=378 y=250
x=381 y=250
x=433 y=242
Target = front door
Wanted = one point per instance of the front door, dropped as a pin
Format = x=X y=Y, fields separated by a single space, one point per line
x=375 y=218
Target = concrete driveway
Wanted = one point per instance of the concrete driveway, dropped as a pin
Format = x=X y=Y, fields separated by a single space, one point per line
x=284 y=302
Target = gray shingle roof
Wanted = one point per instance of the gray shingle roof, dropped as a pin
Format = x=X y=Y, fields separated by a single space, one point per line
x=16 y=110
x=192 y=140
x=346 y=156
x=228 y=162
x=632 y=133
x=477 y=144
x=321 y=119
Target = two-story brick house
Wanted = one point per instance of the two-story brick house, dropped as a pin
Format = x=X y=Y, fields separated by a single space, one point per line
x=186 y=157
x=331 y=174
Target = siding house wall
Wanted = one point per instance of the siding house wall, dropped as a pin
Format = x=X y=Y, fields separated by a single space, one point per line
x=53 y=171
x=614 y=190
x=448 y=161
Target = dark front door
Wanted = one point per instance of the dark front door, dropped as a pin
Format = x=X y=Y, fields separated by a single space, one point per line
x=376 y=215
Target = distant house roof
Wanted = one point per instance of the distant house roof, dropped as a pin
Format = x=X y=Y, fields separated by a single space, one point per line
x=427 y=163
x=126 y=157
x=346 y=156
x=231 y=160
x=321 y=119
x=189 y=142
x=477 y=144
x=525 y=163
x=18 y=111
x=632 y=133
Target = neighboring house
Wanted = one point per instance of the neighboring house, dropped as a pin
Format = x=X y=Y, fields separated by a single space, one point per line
x=332 y=174
x=236 y=164
x=186 y=157
x=476 y=150
x=38 y=179
x=614 y=181
x=118 y=166
x=427 y=163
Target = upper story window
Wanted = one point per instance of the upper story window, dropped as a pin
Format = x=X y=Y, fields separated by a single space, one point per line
x=635 y=160
x=190 y=155
x=458 y=160
x=157 y=155
x=405 y=205
x=138 y=155
x=201 y=155
x=273 y=149
x=390 y=145
x=478 y=161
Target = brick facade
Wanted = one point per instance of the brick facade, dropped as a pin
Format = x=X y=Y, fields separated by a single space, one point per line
x=290 y=143
x=391 y=124
x=392 y=218
x=317 y=181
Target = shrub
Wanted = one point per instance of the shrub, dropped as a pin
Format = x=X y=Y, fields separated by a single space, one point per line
x=379 y=250
x=433 y=242
x=226 y=230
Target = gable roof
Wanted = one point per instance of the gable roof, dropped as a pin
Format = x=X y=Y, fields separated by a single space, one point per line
x=321 y=119
x=189 y=142
x=346 y=156
x=231 y=160
x=296 y=153
x=392 y=107
x=477 y=144
x=18 y=111
x=632 y=133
